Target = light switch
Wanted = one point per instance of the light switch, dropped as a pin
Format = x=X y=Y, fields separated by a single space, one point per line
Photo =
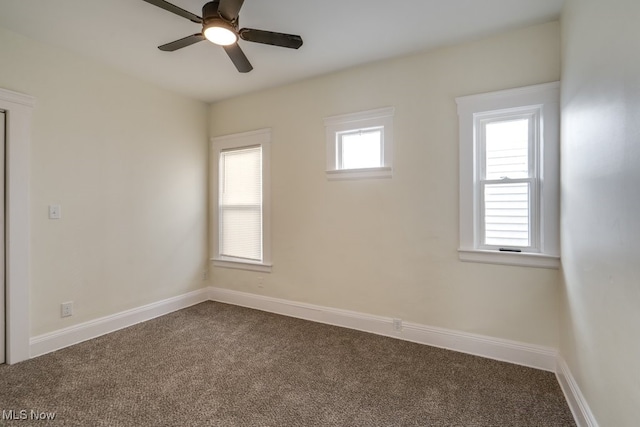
x=54 y=212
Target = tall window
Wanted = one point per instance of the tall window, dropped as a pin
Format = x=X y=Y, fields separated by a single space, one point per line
x=240 y=203
x=508 y=144
x=360 y=145
x=241 y=228
x=508 y=180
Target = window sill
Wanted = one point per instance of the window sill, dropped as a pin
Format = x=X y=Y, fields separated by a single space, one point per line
x=521 y=259
x=240 y=265
x=366 y=173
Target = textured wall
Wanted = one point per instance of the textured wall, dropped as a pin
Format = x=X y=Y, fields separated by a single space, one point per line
x=601 y=205
x=127 y=162
x=389 y=246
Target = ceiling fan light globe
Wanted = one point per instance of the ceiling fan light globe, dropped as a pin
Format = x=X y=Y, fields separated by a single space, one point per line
x=220 y=35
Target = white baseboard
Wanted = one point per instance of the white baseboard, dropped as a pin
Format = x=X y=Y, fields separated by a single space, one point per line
x=75 y=334
x=575 y=399
x=539 y=357
x=494 y=348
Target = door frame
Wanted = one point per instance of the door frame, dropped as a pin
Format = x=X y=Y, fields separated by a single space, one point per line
x=19 y=108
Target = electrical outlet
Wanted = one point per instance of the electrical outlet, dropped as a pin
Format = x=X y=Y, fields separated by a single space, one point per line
x=397 y=324
x=205 y=275
x=261 y=282
x=66 y=309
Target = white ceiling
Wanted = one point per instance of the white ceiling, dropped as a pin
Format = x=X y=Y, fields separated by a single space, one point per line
x=337 y=34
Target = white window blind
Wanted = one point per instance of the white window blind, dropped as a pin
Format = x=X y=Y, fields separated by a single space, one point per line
x=507 y=183
x=240 y=203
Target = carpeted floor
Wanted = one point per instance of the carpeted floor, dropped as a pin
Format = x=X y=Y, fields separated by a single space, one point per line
x=220 y=365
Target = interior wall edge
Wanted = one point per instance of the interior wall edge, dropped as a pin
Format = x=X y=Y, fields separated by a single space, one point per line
x=572 y=393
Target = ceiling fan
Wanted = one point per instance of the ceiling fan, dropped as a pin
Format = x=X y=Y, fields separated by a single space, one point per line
x=220 y=26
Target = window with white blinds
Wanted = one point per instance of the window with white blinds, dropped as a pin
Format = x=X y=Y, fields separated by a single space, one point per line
x=240 y=164
x=240 y=204
x=509 y=176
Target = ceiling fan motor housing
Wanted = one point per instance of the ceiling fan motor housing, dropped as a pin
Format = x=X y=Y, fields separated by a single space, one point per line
x=210 y=10
x=212 y=18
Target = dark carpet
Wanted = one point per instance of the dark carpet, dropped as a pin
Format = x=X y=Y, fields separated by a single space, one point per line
x=220 y=365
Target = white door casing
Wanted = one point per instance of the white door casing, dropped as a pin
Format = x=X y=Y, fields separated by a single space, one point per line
x=18 y=108
x=2 y=287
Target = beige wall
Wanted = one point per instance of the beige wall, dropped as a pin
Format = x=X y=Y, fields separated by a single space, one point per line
x=127 y=162
x=601 y=205
x=389 y=247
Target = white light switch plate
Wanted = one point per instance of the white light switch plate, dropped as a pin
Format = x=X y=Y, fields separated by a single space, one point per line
x=54 y=212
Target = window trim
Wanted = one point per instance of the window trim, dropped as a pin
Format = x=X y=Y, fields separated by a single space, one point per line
x=473 y=108
x=262 y=138
x=378 y=118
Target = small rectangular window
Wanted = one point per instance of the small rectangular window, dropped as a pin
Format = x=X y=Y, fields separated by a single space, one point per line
x=360 y=145
x=360 y=149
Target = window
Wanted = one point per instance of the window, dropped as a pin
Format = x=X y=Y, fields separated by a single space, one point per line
x=241 y=195
x=508 y=180
x=509 y=174
x=360 y=145
x=360 y=149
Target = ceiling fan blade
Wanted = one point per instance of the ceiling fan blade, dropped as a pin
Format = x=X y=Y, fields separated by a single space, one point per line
x=268 y=37
x=179 y=44
x=175 y=9
x=238 y=58
x=229 y=9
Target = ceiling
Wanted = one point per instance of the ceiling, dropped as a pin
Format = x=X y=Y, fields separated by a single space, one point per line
x=337 y=34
